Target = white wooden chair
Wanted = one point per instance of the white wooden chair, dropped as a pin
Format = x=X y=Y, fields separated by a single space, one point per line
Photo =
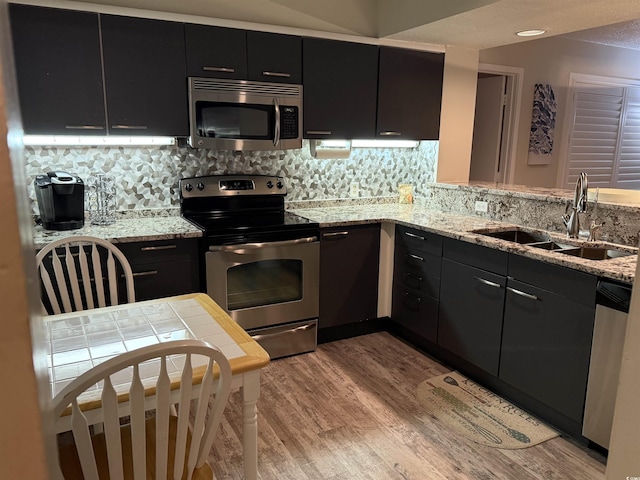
x=76 y=263
x=162 y=446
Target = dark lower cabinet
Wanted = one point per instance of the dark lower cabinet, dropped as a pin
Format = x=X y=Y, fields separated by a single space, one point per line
x=145 y=76
x=416 y=281
x=349 y=259
x=163 y=268
x=470 y=317
x=59 y=71
x=546 y=340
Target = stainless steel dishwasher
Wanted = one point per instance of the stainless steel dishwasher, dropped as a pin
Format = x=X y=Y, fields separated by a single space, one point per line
x=612 y=309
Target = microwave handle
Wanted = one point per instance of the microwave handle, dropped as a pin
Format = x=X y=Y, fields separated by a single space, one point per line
x=276 y=136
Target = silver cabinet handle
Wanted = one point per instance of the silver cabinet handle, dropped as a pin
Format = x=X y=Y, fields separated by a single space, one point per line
x=160 y=247
x=412 y=297
x=254 y=246
x=413 y=235
x=390 y=134
x=145 y=274
x=411 y=275
x=415 y=257
x=488 y=283
x=335 y=234
x=84 y=127
x=129 y=127
x=523 y=294
x=319 y=132
x=276 y=74
x=219 y=69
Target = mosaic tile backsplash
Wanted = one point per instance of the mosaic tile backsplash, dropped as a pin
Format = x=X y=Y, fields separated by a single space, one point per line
x=147 y=177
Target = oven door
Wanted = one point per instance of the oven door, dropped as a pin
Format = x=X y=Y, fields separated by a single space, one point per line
x=265 y=284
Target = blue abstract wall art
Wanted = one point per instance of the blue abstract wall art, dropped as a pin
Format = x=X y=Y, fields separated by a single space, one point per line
x=543 y=122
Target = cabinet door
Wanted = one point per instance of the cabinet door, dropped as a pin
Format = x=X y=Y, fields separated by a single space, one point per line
x=59 y=72
x=274 y=58
x=216 y=52
x=349 y=260
x=546 y=345
x=470 y=317
x=340 y=89
x=163 y=268
x=415 y=311
x=409 y=94
x=144 y=63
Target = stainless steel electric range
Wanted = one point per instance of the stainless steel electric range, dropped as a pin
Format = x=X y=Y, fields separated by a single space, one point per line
x=261 y=262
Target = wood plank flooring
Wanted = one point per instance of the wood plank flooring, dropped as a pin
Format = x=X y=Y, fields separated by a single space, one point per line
x=349 y=411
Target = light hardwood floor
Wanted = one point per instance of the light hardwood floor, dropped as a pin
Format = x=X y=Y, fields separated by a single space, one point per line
x=349 y=411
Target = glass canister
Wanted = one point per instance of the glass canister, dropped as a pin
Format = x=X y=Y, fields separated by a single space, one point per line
x=101 y=199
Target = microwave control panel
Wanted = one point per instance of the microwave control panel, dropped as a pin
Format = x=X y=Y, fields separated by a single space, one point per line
x=288 y=122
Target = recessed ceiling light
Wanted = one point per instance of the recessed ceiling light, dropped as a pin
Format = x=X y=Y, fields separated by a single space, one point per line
x=530 y=33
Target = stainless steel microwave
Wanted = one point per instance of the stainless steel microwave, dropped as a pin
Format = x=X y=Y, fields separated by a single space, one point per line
x=244 y=115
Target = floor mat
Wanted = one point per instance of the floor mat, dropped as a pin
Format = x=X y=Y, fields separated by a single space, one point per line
x=479 y=414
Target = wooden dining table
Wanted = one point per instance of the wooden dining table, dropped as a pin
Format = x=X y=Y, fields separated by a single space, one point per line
x=77 y=341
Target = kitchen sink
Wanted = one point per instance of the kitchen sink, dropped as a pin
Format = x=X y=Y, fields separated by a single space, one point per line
x=542 y=240
x=595 y=253
x=516 y=235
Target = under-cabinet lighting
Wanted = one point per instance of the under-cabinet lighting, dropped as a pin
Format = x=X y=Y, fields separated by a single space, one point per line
x=530 y=33
x=94 y=140
x=384 y=143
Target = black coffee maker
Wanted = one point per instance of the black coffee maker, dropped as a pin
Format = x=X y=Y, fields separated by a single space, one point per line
x=60 y=198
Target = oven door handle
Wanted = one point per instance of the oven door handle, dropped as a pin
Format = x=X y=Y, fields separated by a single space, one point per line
x=255 y=246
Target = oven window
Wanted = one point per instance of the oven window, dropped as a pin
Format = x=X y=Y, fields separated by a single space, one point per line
x=265 y=282
x=235 y=120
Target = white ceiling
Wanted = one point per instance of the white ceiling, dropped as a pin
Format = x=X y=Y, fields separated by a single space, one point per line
x=471 y=23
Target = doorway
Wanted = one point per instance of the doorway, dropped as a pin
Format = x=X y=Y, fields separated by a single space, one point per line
x=496 y=115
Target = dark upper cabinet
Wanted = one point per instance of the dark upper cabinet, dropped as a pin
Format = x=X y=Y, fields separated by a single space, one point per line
x=216 y=52
x=274 y=58
x=145 y=76
x=349 y=259
x=340 y=88
x=409 y=94
x=57 y=56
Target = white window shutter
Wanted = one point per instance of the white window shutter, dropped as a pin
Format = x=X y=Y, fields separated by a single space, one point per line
x=628 y=171
x=593 y=146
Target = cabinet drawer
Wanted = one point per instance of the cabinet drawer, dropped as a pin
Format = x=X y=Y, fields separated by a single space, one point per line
x=415 y=311
x=140 y=253
x=418 y=271
x=485 y=258
x=166 y=279
x=418 y=240
x=578 y=286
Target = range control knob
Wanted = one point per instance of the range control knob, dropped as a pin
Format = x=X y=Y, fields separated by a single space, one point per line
x=200 y=186
x=279 y=185
x=270 y=184
x=188 y=187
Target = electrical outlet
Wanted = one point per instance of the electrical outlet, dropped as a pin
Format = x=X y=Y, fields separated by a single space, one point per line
x=354 y=190
x=481 y=206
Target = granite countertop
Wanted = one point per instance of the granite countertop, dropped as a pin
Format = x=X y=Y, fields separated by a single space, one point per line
x=454 y=225
x=126 y=230
x=462 y=227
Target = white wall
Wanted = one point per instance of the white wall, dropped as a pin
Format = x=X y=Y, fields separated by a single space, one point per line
x=552 y=60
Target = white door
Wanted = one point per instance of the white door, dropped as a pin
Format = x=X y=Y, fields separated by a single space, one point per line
x=487 y=130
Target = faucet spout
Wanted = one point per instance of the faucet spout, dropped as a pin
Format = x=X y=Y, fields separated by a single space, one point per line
x=572 y=220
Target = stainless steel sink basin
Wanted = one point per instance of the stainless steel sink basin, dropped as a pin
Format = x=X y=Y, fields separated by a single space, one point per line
x=542 y=240
x=516 y=235
x=595 y=253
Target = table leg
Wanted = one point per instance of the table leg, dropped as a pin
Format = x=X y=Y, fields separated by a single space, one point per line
x=250 y=391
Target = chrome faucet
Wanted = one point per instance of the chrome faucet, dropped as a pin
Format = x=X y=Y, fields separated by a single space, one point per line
x=572 y=220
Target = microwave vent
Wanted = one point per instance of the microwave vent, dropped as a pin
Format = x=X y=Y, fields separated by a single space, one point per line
x=244 y=87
